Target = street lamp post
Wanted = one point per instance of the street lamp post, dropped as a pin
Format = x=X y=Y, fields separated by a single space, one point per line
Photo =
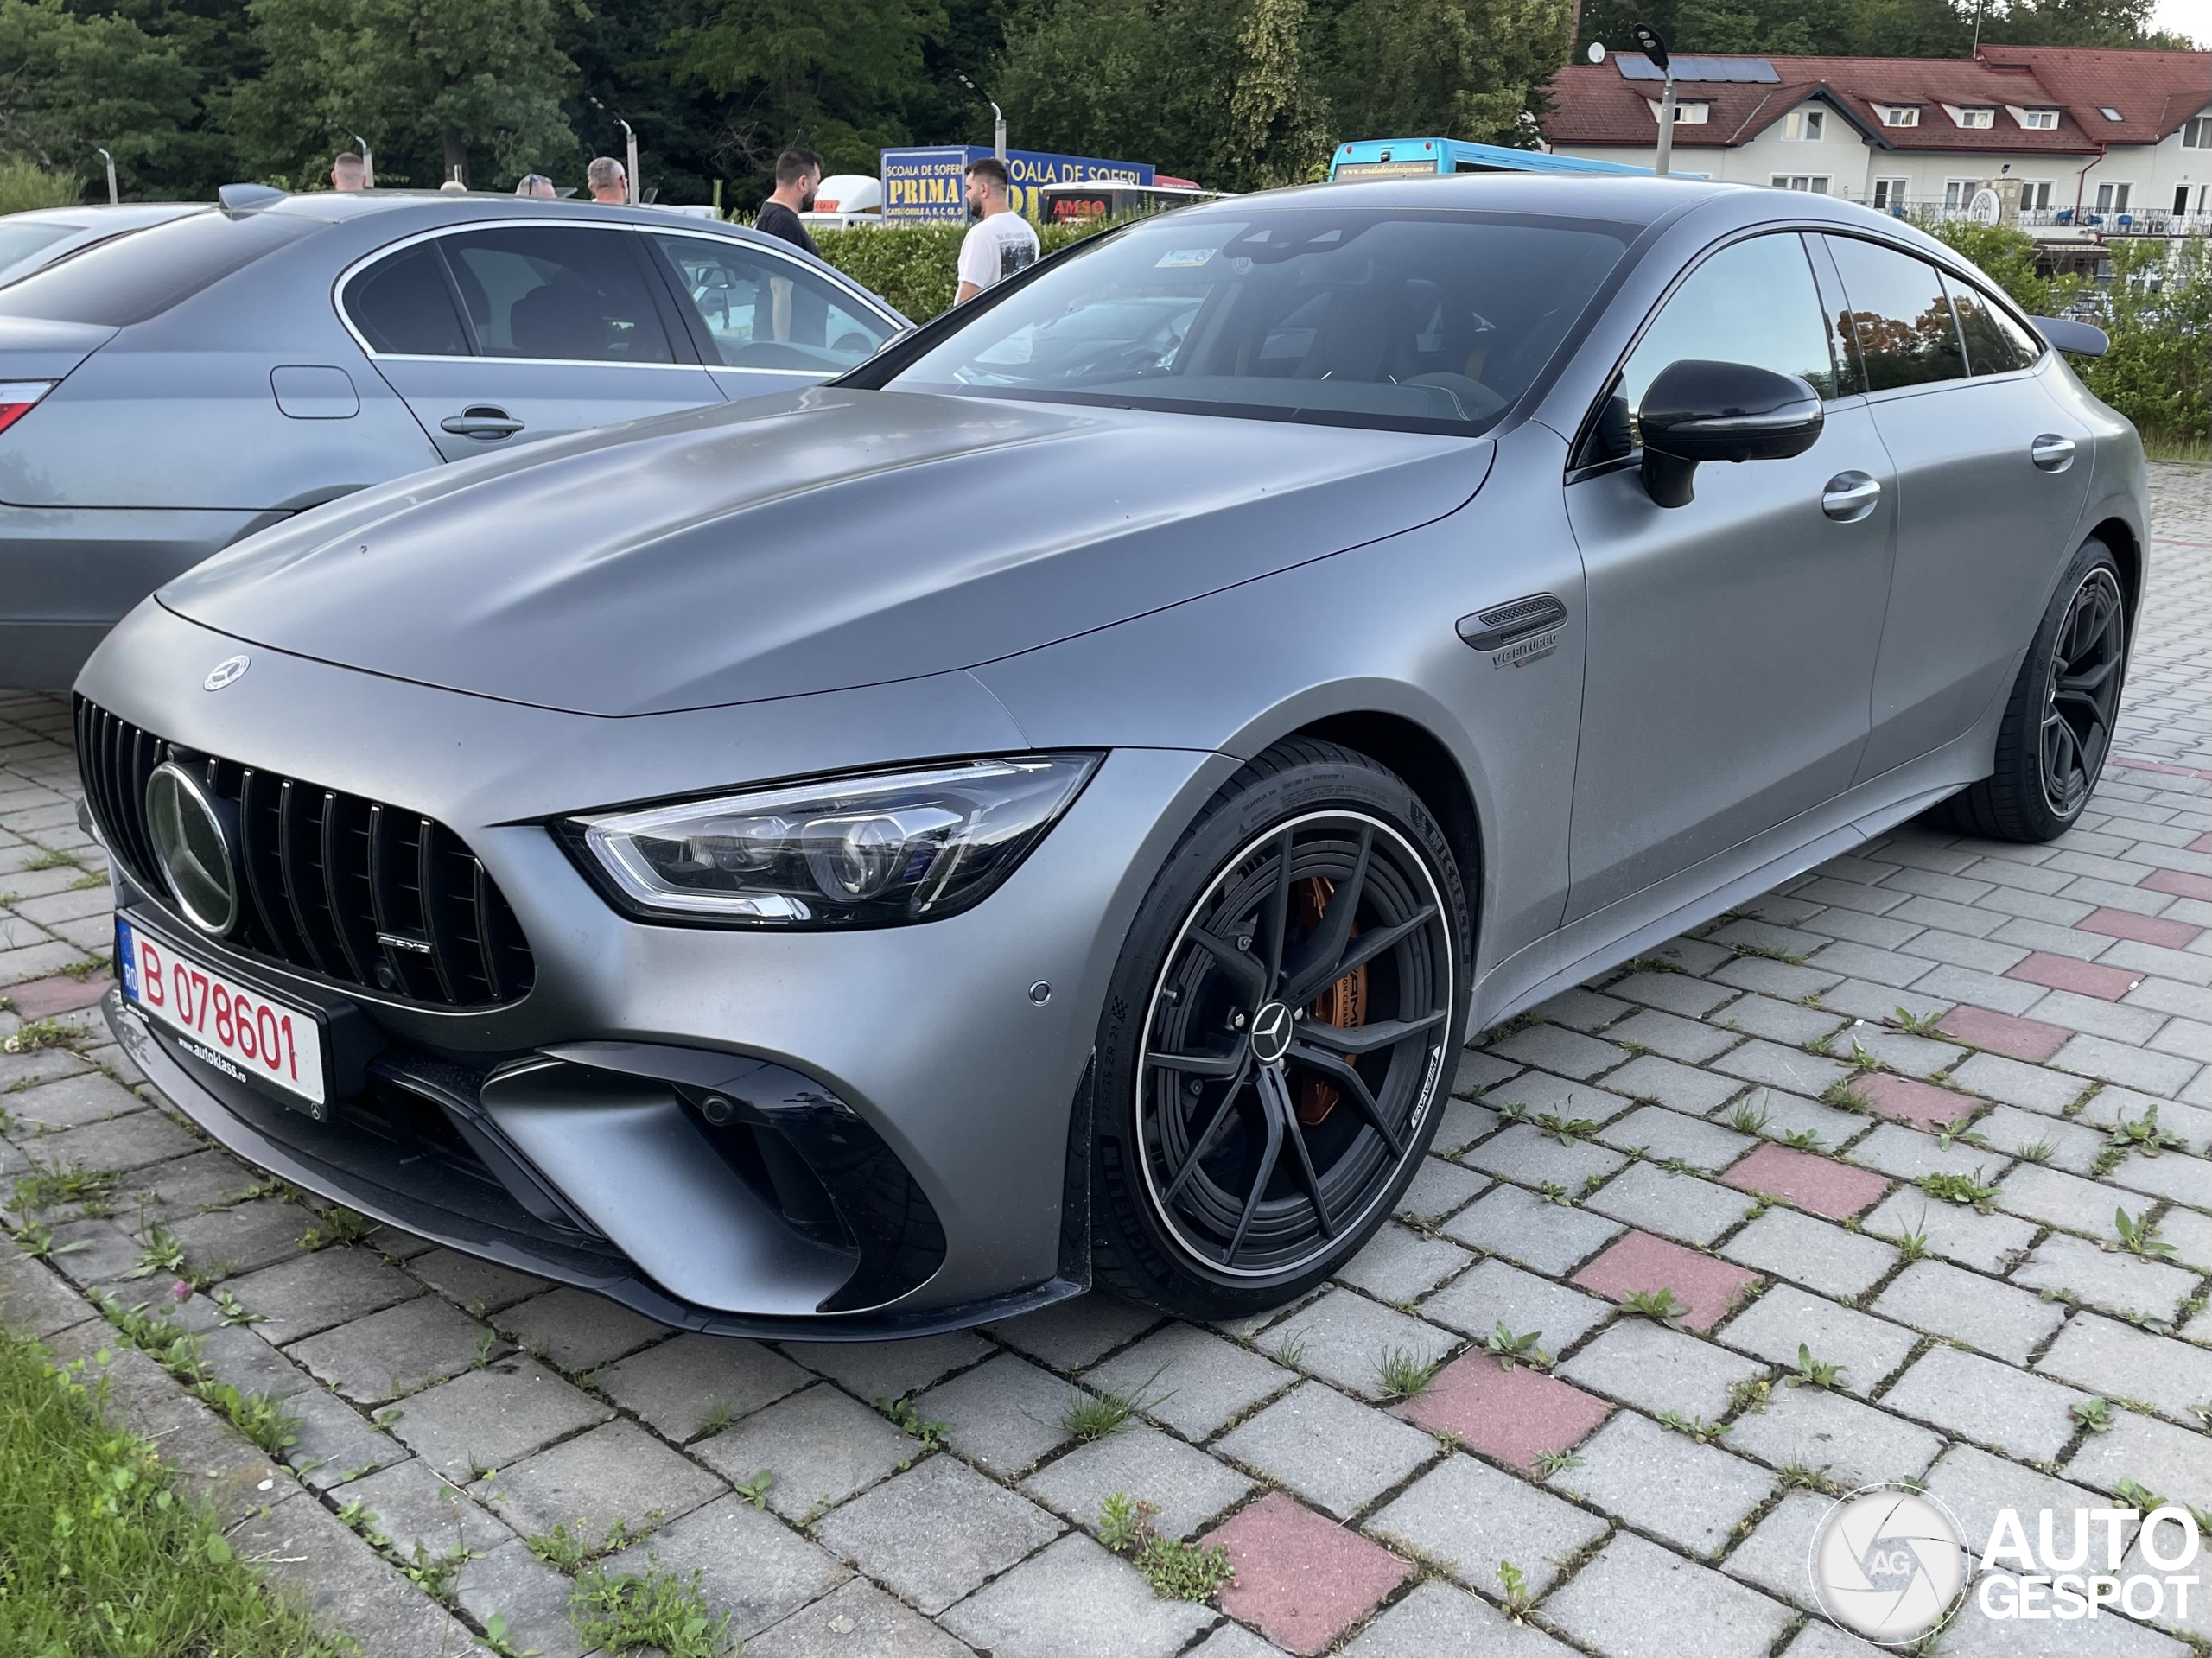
x=630 y=156
x=1656 y=50
x=368 y=162
x=112 y=196
x=998 y=118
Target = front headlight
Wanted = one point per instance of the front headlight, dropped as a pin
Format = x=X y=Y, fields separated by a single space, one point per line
x=869 y=851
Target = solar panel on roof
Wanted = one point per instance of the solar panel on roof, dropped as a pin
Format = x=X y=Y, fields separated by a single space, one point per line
x=1634 y=66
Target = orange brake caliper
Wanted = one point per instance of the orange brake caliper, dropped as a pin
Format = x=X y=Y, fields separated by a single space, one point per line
x=1344 y=1004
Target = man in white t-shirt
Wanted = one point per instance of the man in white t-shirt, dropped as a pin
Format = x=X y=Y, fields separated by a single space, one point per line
x=1001 y=241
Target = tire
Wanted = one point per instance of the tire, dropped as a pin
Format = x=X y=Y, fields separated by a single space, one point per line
x=1240 y=1155
x=2059 y=720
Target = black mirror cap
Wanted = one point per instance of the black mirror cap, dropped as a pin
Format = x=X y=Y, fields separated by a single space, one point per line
x=1700 y=411
x=2075 y=338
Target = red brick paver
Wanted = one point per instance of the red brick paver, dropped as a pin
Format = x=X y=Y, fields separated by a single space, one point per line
x=2064 y=972
x=1301 y=1580
x=1809 y=1182
x=2201 y=843
x=2030 y=1039
x=1514 y=1415
x=2181 y=885
x=44 y=998
x=1709 y=1287
x=1902 y=1099
x=2143 y=928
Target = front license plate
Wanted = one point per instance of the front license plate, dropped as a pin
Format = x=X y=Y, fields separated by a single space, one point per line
x=231 y=1027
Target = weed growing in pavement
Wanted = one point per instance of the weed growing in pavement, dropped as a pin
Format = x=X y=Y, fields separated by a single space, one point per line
x=1860 y=1059
x=36 y=1239
x=2138 y=1496
x=2139 y=1235
x=1510 y=1350
x=83 y=971
x=1556 y=1462
x=1768 y=953
x=2037 y=1151
x=1094 y=1416
x=1838 y=1095
x=1677 y=1166
x=1818 y=1046
x=654 y=1608
x=1567 y=1133
x=1749 y=1395
x=1916 y=1023
x=1815 y=1373
x=719 y=1416
x=1176 y=1570
x=2143 y=1134
x=1913 y=1246
x=1122 y=1521
x=85 y=882
x=33 y=1034
x=907 y=1418
x=1511 y=1113
x=1796 y=1476
x=1802 y=1140
x=755 y=1490
x=1553 y=1192
x=1401 y=1372
x=47 y=858
x=1291 y=1349
x=1656 y=964
x=1959 y=1189
x=567 y=1552
x=1516 y=1596
x=162 y=1252
x=1659 y=1304
x=336 y=1225
x=1697 y=1428
x=2095 y=1414
x=1748 y=1118
x=258 y=1416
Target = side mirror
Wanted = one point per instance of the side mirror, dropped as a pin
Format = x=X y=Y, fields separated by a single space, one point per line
x=2075 y=338
x=1697 y=411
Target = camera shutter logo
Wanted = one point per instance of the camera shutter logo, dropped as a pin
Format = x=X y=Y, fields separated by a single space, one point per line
x=1887 y=1563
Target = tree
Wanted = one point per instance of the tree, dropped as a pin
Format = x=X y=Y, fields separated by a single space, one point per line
x=69 y=83
x=428 y=82
x=1453 y=69
x=1277 y=122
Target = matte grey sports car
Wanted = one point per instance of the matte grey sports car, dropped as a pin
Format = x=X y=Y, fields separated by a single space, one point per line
x=1047 y=806
x=166 y=392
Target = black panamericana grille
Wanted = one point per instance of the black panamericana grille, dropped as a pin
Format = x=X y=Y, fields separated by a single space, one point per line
x=357 y=891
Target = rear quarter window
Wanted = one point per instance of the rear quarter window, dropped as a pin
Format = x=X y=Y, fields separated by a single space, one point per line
x=133 y=277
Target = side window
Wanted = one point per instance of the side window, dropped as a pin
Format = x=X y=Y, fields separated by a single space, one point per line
x=1906 y=332
x=1995 y=343
x=403 y=306
x=1753 y=302
x=762 y=311
x=557 y=291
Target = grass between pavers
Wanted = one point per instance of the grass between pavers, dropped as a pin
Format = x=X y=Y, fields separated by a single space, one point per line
x=99 y=1554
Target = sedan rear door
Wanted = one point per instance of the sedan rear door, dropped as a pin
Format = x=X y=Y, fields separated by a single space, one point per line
x=499 y=334
x=766 y=319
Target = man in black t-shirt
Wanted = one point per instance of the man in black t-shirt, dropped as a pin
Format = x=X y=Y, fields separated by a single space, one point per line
x=798 y=171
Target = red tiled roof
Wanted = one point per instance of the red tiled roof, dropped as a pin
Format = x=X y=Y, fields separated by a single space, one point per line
x=1594 y=103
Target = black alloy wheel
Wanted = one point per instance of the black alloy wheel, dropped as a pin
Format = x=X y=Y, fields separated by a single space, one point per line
x=1292 y=1045
x=2081 y=699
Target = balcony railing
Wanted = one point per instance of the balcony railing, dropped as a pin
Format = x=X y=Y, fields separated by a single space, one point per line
x=2134 y=221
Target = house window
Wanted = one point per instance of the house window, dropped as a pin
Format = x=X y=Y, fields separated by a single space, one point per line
x=2110 y=113
x=2038 y=120
x=1889 y=194
x=1804 y=125
x=1817 y=183
x=1690 y=113
x=2197 y=133
x=2035 y=194
x=1977 y=118
x=1900 y=115
x=1956 y=194
x=2112 y=198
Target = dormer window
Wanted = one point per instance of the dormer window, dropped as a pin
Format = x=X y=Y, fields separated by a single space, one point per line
x=1804 y=125
x=2037 y=120
x=2110 y=113
x=1688 y=112
x=1900 y=115
x=1975 y=117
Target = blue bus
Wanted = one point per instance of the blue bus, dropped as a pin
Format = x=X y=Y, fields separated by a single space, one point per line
x=1400 y=158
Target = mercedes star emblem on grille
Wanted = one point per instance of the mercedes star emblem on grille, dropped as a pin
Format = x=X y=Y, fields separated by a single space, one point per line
x=224 y=672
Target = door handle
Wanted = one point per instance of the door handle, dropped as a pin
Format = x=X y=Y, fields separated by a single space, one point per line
x=485 y=422
x=1850 y=496
x=2051 y=452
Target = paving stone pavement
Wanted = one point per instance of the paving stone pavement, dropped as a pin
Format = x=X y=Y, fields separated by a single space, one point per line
x=1752 y=1118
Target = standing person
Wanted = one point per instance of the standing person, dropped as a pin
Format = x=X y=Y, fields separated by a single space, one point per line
x=535 y=184
x=1001 y=242
x=607 y=181
x=797 y=172
x=349 y=171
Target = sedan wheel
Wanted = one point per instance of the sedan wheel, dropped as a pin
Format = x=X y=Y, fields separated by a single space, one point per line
x=1279 y=1077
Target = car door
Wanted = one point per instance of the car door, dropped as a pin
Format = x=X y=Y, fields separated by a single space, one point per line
x=764 y=320
x=1732 y=640
x=499 y=334
x=1990 y=491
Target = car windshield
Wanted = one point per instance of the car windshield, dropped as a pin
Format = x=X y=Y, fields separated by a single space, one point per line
x=128 y=278
x=1419 y=321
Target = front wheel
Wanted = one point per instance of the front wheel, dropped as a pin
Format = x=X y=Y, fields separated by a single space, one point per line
x=1273 y=1055
x=2058 y=724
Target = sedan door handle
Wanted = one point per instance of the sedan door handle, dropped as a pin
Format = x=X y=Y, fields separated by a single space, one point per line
x=485 y=422
x=1850 y=496
x=2051 y=452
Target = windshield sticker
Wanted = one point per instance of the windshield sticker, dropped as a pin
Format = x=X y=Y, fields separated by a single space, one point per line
x=1179 y=257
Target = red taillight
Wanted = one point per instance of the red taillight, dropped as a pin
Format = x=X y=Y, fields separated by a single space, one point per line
x=19 y=397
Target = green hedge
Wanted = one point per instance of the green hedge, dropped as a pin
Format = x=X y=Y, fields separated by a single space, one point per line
x=2157 y=308
x=24 y=185
x=913 y=266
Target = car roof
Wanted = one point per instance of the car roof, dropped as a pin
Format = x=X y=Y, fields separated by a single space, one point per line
x=109 y=217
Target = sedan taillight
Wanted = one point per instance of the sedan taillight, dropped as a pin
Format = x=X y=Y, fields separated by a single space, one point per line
x=19 y=397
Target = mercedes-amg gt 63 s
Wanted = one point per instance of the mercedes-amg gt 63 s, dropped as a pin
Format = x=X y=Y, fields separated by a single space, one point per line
x=1044 y=808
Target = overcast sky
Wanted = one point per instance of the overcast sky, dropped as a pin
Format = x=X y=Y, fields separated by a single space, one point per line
x=2190 y=17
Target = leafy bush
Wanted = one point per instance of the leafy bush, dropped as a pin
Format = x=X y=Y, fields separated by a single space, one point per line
x=25 y=185
x=914 y=268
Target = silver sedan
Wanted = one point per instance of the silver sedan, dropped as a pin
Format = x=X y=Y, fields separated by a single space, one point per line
x=168 y=391
x=1047 y=807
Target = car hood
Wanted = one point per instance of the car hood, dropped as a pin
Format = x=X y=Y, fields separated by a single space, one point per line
x=810 y=542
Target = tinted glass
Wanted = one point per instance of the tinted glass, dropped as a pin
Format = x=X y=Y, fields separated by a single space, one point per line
x=762 y=311
x=1906 y=334
x=133 y=277
x=1995 y=343
x=1337 y=316
x=1754 y=303
x=21 y=241
x=404 y=305
x=555 y=292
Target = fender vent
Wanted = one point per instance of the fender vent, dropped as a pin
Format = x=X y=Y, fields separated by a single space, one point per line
x=1500 y=624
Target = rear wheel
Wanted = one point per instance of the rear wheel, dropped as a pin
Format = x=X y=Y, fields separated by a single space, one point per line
x=2058 y=724
x=1273 y=1054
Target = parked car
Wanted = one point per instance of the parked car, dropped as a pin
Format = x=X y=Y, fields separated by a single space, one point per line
x=1035 y=811
x=168 y=391
x=31 y=241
